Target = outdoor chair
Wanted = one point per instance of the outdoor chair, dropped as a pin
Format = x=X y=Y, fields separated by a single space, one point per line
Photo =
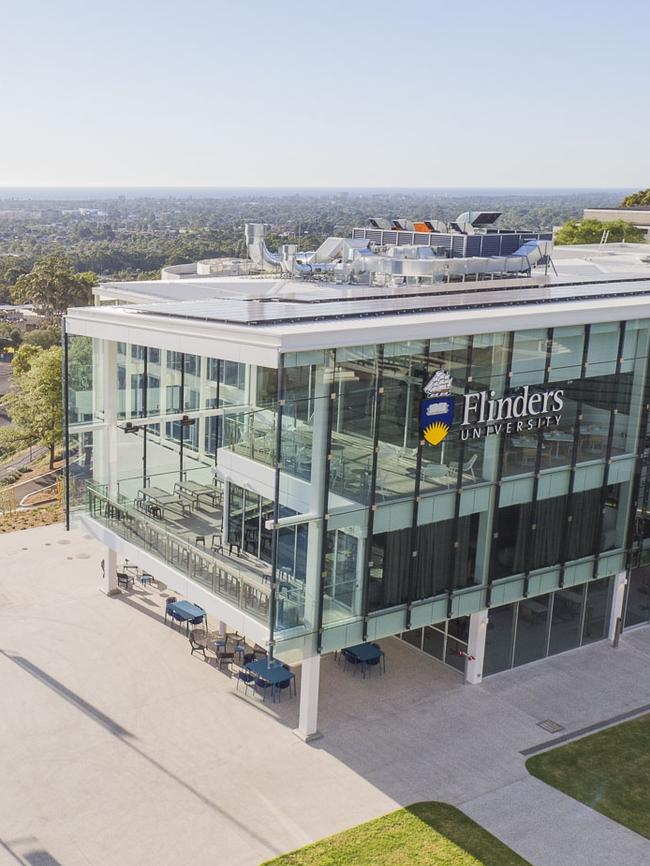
x=262 y=687
x=280 y=687
x=123 y=579
x=196 y=635
x=168 y=602
x=243 y=676
x=373 y=663
x=222 y=657
x=216 y=542
x=198 y=620
x=351 y=660
x=383 y=656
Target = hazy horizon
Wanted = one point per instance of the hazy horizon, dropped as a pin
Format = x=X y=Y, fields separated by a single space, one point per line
x=53 y=192
x=368 y=95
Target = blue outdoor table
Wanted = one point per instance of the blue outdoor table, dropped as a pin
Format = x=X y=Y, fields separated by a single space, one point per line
x=364 y=652
x=185 y=611
x=274 y=674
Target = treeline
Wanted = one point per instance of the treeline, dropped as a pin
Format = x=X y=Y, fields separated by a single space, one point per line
x=126 y=238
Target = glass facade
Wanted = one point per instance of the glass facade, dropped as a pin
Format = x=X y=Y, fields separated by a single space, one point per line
x=315 y=480
x=533 y=628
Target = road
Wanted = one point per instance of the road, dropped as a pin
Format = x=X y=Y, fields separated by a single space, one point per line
x=24 y=459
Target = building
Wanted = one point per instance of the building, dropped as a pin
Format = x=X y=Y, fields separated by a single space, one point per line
x=445 y=448
x=638 y=216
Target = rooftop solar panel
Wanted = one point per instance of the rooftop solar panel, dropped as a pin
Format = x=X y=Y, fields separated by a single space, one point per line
x=269 y=312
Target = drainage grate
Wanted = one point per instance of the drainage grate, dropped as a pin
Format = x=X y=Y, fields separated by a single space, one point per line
x=550 y=726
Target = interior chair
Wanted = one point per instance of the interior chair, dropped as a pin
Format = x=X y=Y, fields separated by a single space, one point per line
x=468 y=466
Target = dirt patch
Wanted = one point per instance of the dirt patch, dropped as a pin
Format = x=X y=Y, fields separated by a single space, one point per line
x=16 y=520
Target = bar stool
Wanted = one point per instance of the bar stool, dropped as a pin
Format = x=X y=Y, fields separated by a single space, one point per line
x=217 y=543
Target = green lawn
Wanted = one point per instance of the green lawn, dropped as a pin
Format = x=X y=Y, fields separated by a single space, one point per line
x=425 y=834
x=609 y=771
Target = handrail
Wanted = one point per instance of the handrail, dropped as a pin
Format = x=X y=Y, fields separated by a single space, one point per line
x=215 y=572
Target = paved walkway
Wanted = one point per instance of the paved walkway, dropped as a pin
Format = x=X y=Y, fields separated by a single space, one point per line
x=121 y=749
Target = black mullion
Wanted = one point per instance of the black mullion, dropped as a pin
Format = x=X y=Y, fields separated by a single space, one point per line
x=411 y=587
x=608 y=453
x=182 y=409
x=639 y=495
x=568 y=502
x=217 y=418
x=276 y=503
x=532 y=523
x=379 y=392
x=453 y=552
x=331 y=398
x=145 y=385
x=497 y=491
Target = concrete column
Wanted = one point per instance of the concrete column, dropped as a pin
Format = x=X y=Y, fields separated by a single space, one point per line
x=307 y=728
x=618 y=597
x=478 y=623
x=108 y=578
x=109 y=371
x=310 y=675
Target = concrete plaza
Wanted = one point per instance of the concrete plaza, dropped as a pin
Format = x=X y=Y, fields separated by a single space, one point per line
x=119 y=748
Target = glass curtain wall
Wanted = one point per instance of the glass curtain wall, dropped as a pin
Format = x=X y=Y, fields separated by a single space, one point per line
x=534 y=628
x=403 y=521
x=418 y=532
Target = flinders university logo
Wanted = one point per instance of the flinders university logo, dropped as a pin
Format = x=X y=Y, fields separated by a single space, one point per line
x=437 y=411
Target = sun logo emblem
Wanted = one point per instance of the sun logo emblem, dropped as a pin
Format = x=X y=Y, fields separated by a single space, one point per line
x=437 y=411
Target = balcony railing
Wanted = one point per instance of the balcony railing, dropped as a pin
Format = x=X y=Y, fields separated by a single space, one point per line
x=220 y=574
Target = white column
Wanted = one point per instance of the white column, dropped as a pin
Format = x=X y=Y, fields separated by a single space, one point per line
x=310 y=672
x=620 y=582
x=307 y=728
x=108 y=577
x=476 y=647
x=109 y=361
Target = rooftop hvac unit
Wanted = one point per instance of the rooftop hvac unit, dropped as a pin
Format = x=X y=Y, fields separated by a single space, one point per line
x=471 y=220
x=379 y=223
x=430 y=226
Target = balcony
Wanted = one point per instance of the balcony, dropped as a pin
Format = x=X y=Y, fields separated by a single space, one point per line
x=243 y=581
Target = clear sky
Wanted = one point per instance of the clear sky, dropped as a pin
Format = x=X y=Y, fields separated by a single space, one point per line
x=341 y=93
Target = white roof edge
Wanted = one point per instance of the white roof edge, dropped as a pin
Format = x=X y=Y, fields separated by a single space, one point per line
x=487 y=321
x=263 y=344
x=241 y=344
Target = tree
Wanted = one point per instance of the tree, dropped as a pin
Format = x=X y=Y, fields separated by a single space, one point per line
x=9 y=335
x=52 y=286
x=35 y=400
x=45 y=337
x=637 y=199
x=22 y=360
x=592 y=231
